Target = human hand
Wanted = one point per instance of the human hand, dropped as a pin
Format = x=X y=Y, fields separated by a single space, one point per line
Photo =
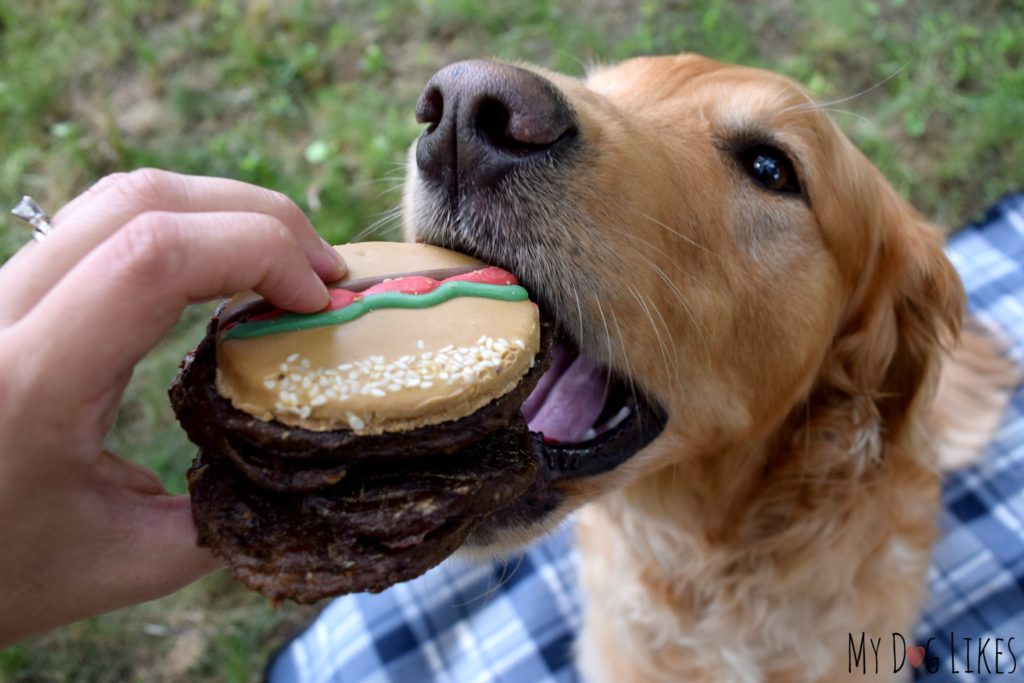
x=83 y=531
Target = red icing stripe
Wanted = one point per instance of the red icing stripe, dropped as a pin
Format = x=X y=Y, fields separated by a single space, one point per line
x=340 y=298
x=486 y=276
x=411 y=284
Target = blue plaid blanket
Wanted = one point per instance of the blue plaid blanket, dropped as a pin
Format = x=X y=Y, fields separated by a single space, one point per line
x=515 y=622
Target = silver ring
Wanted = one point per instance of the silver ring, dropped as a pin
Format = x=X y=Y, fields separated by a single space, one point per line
x=30 y=212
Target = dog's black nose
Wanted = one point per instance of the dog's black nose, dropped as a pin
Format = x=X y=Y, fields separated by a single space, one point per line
x=486 y=119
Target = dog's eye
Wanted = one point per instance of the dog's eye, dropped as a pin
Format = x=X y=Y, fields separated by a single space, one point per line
x=770 y=168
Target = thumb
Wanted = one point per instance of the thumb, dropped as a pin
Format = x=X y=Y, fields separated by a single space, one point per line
x=168 y=557
x=157 y=550
x=100 y=539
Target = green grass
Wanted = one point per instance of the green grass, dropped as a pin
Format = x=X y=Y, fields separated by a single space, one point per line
x=315 y=99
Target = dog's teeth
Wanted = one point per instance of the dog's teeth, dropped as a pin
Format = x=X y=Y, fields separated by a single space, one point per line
x=589 y=434
x=618 y=418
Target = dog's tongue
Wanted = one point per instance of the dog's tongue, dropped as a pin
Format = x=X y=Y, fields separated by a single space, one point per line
x=568 y=399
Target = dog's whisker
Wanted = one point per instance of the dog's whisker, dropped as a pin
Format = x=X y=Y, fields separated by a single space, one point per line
x=678 y=295
x=865 y=91
x=655 y=248
x=607 y=332
x=865 y=119
x=824 y=106
x=391 y=189
x=671 y=370
x=630 y=373
x=579 y=311
x=389 y=178
x=676 y=233
x=676 y=375
x=505 y=577
x=680 y=298
x=583 y=65
x=389 y=221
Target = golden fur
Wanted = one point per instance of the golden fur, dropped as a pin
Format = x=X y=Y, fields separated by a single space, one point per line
x=795 y=343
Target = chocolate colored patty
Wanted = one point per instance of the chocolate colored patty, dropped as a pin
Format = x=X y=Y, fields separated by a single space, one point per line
x=276 y=456
x=305 y=515
x=376 y=528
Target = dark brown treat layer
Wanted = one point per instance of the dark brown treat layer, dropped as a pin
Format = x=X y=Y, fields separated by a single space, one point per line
x=379 y=526
x=276 y=456
x=304 y=515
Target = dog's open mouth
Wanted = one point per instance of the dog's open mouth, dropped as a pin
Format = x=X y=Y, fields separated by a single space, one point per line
x=585 y=419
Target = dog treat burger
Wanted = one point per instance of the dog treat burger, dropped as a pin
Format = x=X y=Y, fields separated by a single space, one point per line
x=356 y=447
x=405 y=351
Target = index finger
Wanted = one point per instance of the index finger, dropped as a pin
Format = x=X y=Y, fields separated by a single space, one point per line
x=119 y=301
x=107 y=206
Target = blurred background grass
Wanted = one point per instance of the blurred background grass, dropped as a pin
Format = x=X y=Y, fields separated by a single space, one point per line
x=315 y=98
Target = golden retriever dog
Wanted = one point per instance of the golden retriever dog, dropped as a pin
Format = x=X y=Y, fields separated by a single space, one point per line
x=754 y=323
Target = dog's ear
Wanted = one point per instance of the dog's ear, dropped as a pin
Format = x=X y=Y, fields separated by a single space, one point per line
x=977 y=383
x=906 y=307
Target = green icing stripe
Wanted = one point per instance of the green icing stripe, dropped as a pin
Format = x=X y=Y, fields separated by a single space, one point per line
x=293 y=322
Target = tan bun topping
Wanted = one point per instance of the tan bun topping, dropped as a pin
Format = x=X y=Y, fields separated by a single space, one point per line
x=391 y=369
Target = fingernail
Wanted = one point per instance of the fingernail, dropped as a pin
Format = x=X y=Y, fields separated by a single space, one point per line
x=336 y=258
x=327 y=297
x=334 y=266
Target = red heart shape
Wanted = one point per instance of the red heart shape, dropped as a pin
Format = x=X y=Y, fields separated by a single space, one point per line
x=915 y=655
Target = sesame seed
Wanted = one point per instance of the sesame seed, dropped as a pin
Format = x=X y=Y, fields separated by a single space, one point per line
x=420 y=345
x=301 y=387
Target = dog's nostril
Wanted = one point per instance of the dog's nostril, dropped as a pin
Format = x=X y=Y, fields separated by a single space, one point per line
x=491 y=122
x=430 y=107
x=514 y=128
